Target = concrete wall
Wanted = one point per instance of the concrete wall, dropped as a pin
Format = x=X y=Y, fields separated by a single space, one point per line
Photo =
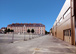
x=63 y=22
x=66 y=23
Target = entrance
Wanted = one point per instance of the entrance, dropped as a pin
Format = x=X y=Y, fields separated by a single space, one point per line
x=67 y=35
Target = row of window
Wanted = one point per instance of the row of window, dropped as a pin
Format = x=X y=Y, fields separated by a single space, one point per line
x=26 y=30
x=64 y=16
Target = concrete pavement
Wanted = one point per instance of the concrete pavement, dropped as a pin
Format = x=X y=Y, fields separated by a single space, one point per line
x=41 y=45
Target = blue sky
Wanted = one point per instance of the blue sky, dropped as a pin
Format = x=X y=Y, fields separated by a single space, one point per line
x=30 y=11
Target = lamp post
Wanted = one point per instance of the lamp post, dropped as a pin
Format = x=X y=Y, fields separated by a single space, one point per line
x=24 y=32
x=12 y=36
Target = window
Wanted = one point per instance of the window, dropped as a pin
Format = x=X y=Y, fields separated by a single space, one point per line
x=67 y=12
x=60 y=19
x=57 y=23
x=67 y=32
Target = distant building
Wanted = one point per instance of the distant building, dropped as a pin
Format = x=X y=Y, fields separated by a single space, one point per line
x=51 y=31
x=0 y=31
x=3 y=29
x=23 y=27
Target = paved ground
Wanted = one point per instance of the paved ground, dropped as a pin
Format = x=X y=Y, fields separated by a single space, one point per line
x=41 y=45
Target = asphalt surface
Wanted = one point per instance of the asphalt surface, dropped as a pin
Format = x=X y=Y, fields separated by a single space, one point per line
x=40 y=45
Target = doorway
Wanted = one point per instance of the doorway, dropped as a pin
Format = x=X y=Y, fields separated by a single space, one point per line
x=67 y=35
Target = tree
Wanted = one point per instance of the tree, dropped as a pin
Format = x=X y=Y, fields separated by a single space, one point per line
x=8 y=30
x=32 y=31
x=45 y=32
x=5 y=31
x=28 y=31
x=11 y=30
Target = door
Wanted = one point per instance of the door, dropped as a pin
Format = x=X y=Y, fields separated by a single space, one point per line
x=67 y=35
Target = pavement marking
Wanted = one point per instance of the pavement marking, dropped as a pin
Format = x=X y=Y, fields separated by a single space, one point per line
x=34 y=52
x=47 y=50
x=36 y=49
x=61 y=47
x=39 y=50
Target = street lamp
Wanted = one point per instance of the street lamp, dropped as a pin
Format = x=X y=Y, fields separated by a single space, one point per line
x=12 y=36
x=24 y=32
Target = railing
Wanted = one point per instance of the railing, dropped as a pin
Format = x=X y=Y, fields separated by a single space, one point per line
x=12 y=38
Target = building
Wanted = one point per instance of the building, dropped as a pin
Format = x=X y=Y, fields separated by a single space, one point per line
x=23 y=27
x=51 y=31
x=64 y=27
x=0 y=31
x=3 y=28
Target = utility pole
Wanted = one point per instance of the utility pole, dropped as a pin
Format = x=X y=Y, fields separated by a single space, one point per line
x=24 y=32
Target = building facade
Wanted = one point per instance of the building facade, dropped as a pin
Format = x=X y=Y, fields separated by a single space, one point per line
x=51 y=31
x=23 y=27
x=65 y=25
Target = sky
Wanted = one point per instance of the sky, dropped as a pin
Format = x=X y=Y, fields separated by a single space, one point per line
x=30 y=11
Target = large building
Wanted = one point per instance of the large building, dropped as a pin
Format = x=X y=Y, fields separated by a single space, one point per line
x=65 y=25
x=23 y=27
